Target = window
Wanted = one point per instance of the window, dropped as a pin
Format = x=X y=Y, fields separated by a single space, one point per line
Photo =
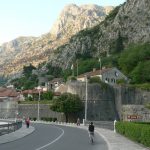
x=112 y=80
x=116 y=74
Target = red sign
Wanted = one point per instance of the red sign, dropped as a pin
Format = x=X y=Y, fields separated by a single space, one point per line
x=134 y=117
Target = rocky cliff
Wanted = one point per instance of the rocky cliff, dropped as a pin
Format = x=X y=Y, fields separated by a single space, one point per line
x=128 y=22
x=75 y=18
x=24 y=50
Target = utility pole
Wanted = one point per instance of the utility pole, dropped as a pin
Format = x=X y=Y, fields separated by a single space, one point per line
x=86 y=98
x=100 y=66
x=39 y=90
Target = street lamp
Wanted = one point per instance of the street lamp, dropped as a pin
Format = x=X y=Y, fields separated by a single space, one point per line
x=39 y=90
x=86 y=97
x=100 y=66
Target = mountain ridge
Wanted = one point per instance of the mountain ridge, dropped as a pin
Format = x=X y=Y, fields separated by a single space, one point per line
x=128 y=23
x=37 y=49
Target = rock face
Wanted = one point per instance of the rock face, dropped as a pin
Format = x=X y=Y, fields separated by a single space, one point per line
x=35 y=50
x=130 y=22
x=75 y=18
x=10 y=51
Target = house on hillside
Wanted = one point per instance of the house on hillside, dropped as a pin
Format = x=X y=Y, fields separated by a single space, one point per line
x=34 y=93
x=55 y=83
x=107 y=75
x=8 y=94
x=61 y=89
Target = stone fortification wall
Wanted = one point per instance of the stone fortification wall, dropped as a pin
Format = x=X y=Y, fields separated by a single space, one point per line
x=104 y=103
x=108 y=103
x=31 y=110
x=129 y=96
x=8 y=109
x=101 y=100
x=135 y=113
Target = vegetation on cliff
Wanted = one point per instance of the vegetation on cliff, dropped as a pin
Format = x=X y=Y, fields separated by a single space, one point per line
x=28 y=80
x=133 y=61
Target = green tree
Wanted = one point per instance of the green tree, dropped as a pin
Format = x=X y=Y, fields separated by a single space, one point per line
x=47 y=96
x=24 y=82
x=95 y=80
x=134 y=61
x=27 y=70
x=54 y=70
x=134 y=54
x=148 y=106
x=141 y=73
x=68 y=104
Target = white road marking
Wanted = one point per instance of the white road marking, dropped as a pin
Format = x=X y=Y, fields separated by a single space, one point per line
x=53 y=140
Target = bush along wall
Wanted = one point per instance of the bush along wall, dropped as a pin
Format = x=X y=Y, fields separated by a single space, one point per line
x=139 y=132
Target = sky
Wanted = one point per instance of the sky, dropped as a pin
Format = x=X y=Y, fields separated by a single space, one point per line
x=35 y=17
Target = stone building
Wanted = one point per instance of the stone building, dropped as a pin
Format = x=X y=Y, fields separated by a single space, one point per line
x=107 y=75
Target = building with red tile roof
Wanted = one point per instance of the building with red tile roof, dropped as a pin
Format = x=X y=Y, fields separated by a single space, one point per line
x=107 y=75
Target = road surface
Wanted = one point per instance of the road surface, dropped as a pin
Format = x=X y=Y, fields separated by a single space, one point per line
x=51 y=137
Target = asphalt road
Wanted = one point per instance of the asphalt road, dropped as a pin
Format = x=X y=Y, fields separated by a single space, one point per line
x=50 y=137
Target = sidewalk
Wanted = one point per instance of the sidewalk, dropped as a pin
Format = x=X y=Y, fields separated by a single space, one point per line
x=16 y=135
x=118 y=142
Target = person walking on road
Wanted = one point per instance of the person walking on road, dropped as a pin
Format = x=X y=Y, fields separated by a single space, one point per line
x=78 y=122
x=27 y=122
x=91 y=132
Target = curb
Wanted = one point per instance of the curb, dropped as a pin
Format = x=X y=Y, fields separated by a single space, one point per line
x=13 y=136
x=105 y=139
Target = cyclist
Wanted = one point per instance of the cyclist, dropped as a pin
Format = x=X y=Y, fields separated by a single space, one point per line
x=91 y=132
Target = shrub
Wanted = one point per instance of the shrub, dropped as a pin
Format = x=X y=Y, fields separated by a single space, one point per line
x=139 y=132
x=94 y=80
x=34 y=118
x=48 y=119
x=121 y=81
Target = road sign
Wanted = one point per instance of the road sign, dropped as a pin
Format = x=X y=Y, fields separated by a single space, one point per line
x=134 y=117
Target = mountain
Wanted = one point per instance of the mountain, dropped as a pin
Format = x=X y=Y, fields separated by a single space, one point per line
x=74 y=18
x=25 y=50
x=126 y=24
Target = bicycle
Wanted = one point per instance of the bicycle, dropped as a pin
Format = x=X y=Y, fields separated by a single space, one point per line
x=91 y=137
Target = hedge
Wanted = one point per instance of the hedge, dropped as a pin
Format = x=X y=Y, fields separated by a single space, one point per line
x=139 y=132
x=49 y=119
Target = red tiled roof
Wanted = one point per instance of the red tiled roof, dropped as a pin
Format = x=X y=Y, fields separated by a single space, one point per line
x=33 y=91
x=94 y=73
x=8 y=92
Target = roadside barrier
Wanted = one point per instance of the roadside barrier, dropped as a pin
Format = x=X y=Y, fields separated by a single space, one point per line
x=9 y=127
